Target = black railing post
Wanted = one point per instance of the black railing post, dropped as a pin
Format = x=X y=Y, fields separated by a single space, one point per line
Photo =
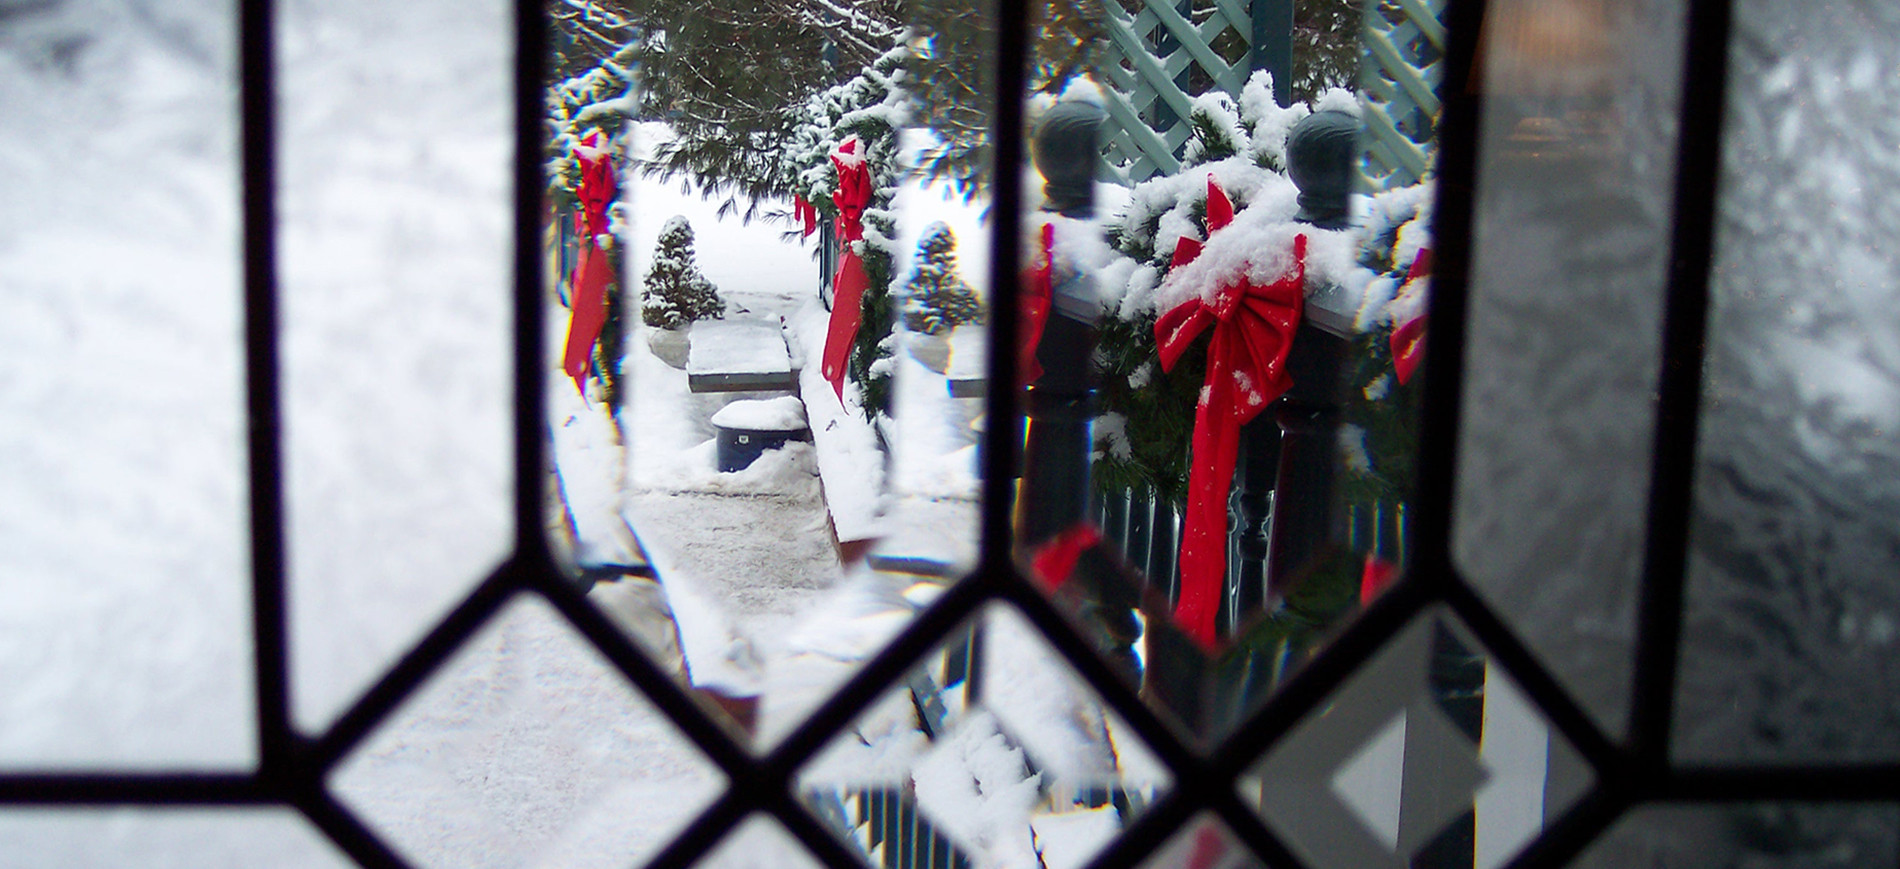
x=1272 y=45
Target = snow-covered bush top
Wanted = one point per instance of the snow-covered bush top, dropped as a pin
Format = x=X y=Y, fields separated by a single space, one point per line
x=1241 y=145
x=677 y=293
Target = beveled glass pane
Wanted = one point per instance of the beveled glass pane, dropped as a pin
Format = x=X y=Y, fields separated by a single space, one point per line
x=1570 y=242
x=994 y=753
x=759 y=842
x=225 y=837
x=1203 y=843
x=394 y=150
x=125 y=633
x=1429 y=755
x=1792 y=613
x=1755 y=835
x=766 y=305
x=527 y=749
x=1223 y=333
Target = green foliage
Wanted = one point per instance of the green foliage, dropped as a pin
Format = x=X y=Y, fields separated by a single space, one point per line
x=936 y=298
x=611 y=346
x=676 y=292
x=1156 y=409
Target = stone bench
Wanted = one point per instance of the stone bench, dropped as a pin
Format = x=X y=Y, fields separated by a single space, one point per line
x=738 y=356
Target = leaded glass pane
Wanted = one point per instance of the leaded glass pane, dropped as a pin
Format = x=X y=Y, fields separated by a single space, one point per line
x=394 y=164
x=1754 y=835
x=527 y=749
x=1793 y=615
x=1570 y=245
x=163 y=838
x=125 y=633
x=767 y=323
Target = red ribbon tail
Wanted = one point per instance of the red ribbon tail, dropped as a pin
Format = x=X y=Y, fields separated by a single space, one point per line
x=591 y=277
x=1408 y=347
x=1055 y=559
x=847 y=299
x=1378 y=574
x=1216 y=449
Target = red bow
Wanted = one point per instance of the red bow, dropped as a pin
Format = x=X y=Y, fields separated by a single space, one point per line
x=847 y=287
x=592 y=272
x=1408 y=339
x=1038 y=296
x=1246 y=369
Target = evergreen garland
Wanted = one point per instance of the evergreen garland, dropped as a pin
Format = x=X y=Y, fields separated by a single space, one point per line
x=872 y=106
x=936 y=298
x=677 y=293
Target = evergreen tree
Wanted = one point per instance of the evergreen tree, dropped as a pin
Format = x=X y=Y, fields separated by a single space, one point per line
x=936 y=299
x=676 y=292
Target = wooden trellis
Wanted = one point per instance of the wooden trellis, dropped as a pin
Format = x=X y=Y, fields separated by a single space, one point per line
x=1160 y=57
x=1398 y=82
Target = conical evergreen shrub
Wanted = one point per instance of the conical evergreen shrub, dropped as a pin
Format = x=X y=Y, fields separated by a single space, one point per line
x=936 y=299
x=676 y=292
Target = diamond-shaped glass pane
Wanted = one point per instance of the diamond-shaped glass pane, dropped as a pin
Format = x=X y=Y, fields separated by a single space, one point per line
x=1570 y=247
x=212 y=838
x=527 y=748
x=1006 y=764
x=1754 y=835
x=1429 y=752
x=767 y=363
x=1223 y=383
x=759 y=842
x=395 y=170
x=1203 y=843
x=124 y=589
x=1792 y=612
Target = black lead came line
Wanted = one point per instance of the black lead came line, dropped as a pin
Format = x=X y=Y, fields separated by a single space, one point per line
x=257 y=96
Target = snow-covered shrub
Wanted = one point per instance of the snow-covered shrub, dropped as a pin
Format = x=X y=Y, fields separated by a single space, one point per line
x=936 y=299
x=676 y=292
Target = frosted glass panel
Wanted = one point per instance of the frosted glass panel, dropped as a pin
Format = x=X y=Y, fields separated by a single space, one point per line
x=1571 y=240
x=220 y=838
x=124 y=605
x=395 y=157
x=527 y=749
x=1793 y=614
x=1757 y=836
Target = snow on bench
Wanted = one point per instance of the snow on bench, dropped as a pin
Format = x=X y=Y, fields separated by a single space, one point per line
x=738 y=356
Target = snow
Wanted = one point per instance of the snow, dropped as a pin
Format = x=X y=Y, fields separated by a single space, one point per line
x=737 y=346
x=785 y=413
x=67 y=838
x=849 y=460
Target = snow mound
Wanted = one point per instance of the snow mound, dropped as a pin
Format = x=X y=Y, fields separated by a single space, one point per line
x=785 y=413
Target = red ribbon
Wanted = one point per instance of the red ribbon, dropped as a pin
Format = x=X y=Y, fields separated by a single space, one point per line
x=592 y=271
x=1038 y=296
x=1408 y=339
x=1253 y=330
x=1375 y=578
x=806 y=214
x=847 y=287
x=1054 y=561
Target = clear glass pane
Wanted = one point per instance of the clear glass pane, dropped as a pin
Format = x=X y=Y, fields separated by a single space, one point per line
x=125 y=633
x=1793 y=615
x=1755 y=835
x=207 y=838
x=1223 y=332
x=1429 y=755
x=527 y=749
x=394 y=149
x=1570 y=246
x=994 y=752
x=777 y=516
x=759 y=843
